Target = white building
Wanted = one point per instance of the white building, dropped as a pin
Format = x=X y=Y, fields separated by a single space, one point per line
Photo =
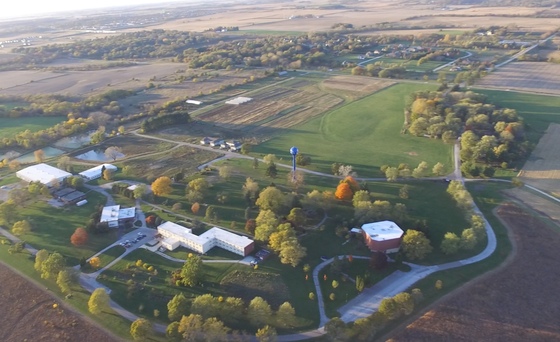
x=95 y=172
x=176 y=235
x=383 y=236
x=43 y=173
x=239 y=100
x=114 y=215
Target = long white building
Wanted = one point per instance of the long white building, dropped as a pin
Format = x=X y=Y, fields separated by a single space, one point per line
x=176 y=235
x=95 y=172
x=43 y=173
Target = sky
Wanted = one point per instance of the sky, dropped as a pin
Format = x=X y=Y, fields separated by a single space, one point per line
x=24 y=8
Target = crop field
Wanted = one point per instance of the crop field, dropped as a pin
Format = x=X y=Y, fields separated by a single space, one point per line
x=271 y=110
x=537 y=202
x=512 y=304
x=11 y=126
x=542 y=169
x=539 y=77
x=33 y=318
x=83 y=82
x=365 y=134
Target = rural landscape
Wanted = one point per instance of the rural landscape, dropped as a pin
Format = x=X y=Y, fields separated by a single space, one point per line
x=281 y=171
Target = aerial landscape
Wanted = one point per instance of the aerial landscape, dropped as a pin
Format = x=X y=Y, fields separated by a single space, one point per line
x=280 y=171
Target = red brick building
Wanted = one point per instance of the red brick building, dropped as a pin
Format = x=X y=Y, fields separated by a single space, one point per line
x=383 y=236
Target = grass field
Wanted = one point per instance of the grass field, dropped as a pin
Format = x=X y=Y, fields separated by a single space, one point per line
x=538 y=111
x=364 y=134
x=12 y=126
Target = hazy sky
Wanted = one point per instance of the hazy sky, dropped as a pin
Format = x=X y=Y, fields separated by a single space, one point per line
x=19 y=8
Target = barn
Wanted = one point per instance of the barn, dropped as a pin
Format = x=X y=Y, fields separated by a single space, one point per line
x=382 y=236
x=43 y=173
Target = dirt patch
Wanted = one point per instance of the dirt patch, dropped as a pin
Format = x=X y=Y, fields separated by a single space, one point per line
x=537 y=203
x=514 y=304
x=32 y=316
x=539 y=77
x=364 y=85
x=248 y=285
x=542 y=169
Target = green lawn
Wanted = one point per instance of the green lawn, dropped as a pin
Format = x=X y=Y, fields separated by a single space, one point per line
x=12 y=126
x=52 y=228
x=106 y=258
x=365 y=134
x=538 y=111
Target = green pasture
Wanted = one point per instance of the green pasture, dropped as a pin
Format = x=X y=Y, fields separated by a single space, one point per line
x=364 y=134
x=12 y=126
x=538 y=111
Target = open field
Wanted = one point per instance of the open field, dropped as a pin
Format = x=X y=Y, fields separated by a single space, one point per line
x=542 y=169
x=538 y=111
x=537 y=202
x=513 y=304
x=539 y=77
x=33 y=318
x=12 y=126
x=364 y=134
x=83 y=82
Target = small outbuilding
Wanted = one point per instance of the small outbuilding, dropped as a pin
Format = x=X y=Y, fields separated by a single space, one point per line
x=383 y=236
x=97 y=172
x=239 y=100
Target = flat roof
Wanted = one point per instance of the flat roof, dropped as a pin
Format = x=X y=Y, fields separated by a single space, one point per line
x=94 y=171
x=194 y=102
x=127 y=213
x=239 y=100
x=42 y=173
x=383 y=230
x=110 y=213
x=213 y=233
x=74 y=195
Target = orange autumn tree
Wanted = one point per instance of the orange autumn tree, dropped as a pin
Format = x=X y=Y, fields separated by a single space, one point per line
x=352 y=182
x=79 y=238
x=343 y=192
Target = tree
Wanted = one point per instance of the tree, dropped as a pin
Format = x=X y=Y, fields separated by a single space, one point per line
x=336 y=330
x=99 y=118
x=269 y=158
x=271 y=198
x=191 y=270
x=266 y=225
x=108 y=174
x=266 y=334
x=286 y=314
x=95 y=262
x=283 y=233
x=79 y=237
x=451 y=243
x=113 y=152
x=215 y=330
x=291 y=252
x=415 y=245
x=177 y=307
x=39 y=156
x=392 y=173
x=52 y=265
x=139 y=191
x=302 y=159
x=439 y=284
x=195 y=208
x=438 y=169
x=378 y=260
x=246 y=148
x=311 y=295
x=162 y=186
x=390 y=309
x=271 y=170
x=255 y=163
x=98 y=301
x=65 y=279
x=172 y=332
x=346 y=170
x=63 y=163
x=40 y=258
x=8 y=212
x=210 y=213
x=206 y=306
x=191 y=328
x=297 y=217
x=360 y=283
x=259 y=312
x=405 y=302
x=420 y=170
x=334 y=284
x=21 y=228
x=417 y=295
x=468 y=239
x=403 y=192
x=250 y=226
x=225 y=172
x=198 y=185
x=343 y=192
x=141 y=329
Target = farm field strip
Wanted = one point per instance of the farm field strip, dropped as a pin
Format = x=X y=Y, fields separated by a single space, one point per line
x=538 y=77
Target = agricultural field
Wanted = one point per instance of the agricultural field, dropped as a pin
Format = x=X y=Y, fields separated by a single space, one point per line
x=33 y=318
x=542 y=169
x=512 y=303
x=538 y=77
x=12 y=126
x=365 y=134
x=537 y=202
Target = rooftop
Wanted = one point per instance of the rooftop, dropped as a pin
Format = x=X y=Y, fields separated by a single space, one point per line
x=383 y=230
x=213 y=233
x=239 y=100
x=42 y=173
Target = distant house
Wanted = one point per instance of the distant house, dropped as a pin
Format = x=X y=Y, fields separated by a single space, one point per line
x=282 y=73
x=383 y=236
x=194 y=102
x=69 y=195
x=115 y=216
x=216 y=142
x=176 y=235
x=205 y=141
